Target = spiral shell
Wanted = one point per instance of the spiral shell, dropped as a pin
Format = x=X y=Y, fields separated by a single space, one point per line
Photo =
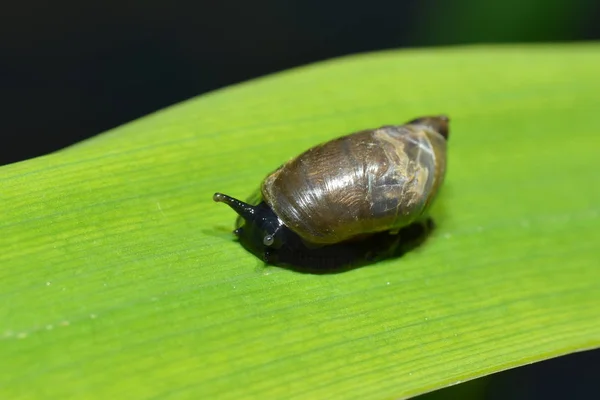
x=366 y=182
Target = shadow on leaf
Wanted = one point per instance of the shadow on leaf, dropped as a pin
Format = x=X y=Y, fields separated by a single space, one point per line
x=345 y=256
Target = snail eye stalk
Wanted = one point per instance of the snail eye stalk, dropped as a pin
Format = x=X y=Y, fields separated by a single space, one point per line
x=244 y=210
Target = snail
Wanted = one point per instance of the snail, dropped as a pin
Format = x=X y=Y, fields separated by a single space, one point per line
x=340 y=193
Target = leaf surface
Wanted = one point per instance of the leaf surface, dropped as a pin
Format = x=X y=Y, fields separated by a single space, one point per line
x=119 y=276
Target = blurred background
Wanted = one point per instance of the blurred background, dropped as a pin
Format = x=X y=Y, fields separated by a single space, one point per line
x=70 y=70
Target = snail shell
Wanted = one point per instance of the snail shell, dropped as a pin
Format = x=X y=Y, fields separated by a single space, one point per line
x=370 y=181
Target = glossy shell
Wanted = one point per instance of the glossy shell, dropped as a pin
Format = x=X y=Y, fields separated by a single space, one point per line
x=370 y=181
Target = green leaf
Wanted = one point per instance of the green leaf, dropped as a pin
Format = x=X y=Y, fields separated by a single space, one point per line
x=120 y=277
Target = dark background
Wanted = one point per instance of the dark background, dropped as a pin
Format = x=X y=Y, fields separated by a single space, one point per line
x=71 y=70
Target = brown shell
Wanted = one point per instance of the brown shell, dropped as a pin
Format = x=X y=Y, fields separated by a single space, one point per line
x=370 y=181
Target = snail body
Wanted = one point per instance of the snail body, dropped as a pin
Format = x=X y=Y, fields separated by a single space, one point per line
x=350 y=188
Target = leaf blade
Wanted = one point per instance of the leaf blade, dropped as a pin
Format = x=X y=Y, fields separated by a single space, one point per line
x=119 y=274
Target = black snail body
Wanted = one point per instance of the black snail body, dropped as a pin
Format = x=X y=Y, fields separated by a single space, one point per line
x=347 y=198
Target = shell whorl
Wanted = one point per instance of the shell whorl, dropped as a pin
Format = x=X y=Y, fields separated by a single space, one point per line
x=366 y=182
